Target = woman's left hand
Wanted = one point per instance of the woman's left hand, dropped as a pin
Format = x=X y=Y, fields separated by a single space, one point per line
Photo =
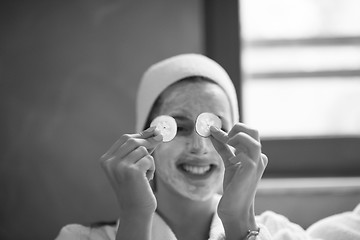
x=244 y=163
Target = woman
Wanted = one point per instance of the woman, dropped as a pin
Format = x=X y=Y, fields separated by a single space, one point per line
x=169 y=190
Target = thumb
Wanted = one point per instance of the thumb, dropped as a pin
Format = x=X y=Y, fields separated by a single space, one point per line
x=150 y=132
x=219 y=140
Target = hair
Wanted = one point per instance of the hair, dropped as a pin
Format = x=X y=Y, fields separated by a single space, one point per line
x=155 y=109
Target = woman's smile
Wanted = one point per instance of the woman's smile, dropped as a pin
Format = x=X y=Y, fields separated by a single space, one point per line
x=196 y=168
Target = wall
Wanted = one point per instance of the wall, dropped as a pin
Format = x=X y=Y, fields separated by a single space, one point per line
x=68 y=77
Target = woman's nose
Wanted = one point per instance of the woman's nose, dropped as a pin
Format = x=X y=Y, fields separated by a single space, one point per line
x=198 y=144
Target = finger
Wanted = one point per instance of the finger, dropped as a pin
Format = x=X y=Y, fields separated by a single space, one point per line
x=150 y=144
x=132 y=142
x=241 y=127
x=264 y=161
x=108 y=169
x=147 y=165
x=150 y=132
x=136 y=155
x=219 y=134
x=243 y=143
x=219 y=140
x=146 y=133
x=116 y=145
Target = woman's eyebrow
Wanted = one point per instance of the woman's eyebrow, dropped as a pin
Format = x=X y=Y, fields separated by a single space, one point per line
x=180 y=117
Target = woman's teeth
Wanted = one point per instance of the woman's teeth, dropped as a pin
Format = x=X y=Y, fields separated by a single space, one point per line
x=196 y=169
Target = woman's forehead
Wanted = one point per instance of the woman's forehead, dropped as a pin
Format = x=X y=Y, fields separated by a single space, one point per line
x=193 y=98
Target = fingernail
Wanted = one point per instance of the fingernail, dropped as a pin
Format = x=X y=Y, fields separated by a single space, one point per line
x=213 y=128
x=150 y=129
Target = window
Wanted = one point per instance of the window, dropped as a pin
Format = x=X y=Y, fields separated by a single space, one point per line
x=298 y=77
x=301 y=63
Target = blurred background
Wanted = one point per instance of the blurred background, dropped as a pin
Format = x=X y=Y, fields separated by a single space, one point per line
x=68 y=77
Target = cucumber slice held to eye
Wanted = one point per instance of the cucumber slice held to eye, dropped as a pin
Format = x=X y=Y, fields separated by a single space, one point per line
x=204 y=121
x=166 y=125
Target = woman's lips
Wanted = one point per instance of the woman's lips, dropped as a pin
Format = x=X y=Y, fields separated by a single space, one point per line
x=196 y=170
x=196 y=167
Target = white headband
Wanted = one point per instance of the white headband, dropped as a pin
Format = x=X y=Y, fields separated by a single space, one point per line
x=166 y=72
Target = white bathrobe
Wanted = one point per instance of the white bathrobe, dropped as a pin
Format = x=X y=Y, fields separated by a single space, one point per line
x=342 y=226
x=272 y=226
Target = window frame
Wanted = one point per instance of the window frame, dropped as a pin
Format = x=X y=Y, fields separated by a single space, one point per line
x=288 y=157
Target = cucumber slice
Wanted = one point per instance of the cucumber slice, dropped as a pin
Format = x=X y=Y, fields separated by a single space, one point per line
x=204 y=121
x=166 y=125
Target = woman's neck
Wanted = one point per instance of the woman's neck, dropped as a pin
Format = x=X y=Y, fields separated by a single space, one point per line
x=185 y=216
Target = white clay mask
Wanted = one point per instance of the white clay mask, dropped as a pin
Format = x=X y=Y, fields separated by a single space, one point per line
x=204 y=121
x=166 y=125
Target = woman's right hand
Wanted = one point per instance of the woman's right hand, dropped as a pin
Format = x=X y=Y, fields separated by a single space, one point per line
x=129 y=167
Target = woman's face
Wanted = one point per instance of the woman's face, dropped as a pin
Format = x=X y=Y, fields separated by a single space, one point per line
x=189 y=165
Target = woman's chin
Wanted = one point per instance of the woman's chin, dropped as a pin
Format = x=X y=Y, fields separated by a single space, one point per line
x=196 y=194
